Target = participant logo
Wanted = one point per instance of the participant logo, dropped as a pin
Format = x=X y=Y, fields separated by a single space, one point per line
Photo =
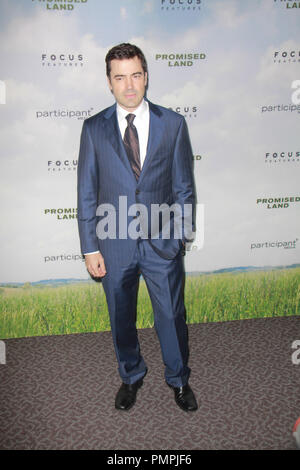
x=285 y=245
x=293 y=107
x=80 y=114
x=62 y=60
x=280 y=108
x=63 y=258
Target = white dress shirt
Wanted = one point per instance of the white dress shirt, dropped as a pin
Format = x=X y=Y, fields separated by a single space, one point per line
x=141 y=122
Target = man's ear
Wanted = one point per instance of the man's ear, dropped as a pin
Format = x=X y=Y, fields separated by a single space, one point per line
x=146 y=78
x=109 y=83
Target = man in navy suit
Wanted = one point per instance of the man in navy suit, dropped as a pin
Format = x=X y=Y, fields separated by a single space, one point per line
x=136 y=154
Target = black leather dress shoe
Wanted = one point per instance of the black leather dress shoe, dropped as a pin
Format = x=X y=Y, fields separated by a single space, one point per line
x=126 y=395
x=185 y=397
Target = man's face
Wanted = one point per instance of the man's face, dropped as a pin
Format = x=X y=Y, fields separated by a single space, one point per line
x=127 y=81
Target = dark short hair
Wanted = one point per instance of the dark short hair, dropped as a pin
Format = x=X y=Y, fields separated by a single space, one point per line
x=124 y=51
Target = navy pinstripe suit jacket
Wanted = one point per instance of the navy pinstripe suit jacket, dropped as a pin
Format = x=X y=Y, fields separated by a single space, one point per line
x=105 y=174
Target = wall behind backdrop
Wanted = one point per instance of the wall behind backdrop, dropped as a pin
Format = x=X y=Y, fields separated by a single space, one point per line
x=231 y=68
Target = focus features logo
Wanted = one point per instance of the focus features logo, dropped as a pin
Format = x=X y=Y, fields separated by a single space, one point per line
x=282 y=157
x=186 y=111
x=60 y=4
x=62 y=60
x=62 y=165
x=286 y=56
x=192 y=5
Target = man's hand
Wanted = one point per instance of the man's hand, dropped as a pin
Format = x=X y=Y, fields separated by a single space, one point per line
x=95 y=264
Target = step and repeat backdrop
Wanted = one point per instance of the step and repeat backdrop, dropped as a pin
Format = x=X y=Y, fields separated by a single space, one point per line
x=231 y=67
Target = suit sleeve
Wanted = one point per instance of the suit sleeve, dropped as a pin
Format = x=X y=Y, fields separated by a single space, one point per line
x=183 y=182
x=87 y=192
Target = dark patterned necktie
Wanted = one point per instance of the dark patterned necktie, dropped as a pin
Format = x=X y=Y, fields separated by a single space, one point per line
x=131 y=142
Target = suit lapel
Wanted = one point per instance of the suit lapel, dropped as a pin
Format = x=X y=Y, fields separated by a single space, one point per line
x=154 y=138
x=112 y=133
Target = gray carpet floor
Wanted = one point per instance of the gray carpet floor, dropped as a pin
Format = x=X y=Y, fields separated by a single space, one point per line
x=58 y=392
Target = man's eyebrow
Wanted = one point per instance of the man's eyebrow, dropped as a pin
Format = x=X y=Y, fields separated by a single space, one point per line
x=123 y=75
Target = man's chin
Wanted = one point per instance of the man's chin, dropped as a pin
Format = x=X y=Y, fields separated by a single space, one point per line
x=130 y=105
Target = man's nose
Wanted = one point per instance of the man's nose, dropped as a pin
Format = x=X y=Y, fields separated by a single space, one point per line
x=129 y=83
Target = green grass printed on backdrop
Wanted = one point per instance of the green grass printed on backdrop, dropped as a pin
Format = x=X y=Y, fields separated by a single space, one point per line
x=79 y=308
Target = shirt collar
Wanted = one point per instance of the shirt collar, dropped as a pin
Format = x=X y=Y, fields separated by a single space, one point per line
x=139 y=112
